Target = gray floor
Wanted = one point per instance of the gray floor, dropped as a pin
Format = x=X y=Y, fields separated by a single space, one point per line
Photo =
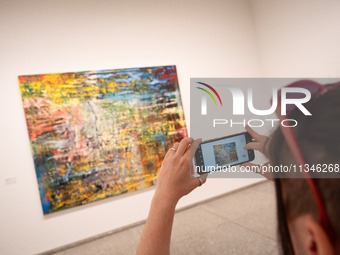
x=243 y=222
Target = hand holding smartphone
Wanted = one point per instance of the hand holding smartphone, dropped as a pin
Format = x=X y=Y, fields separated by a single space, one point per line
x=223 y=152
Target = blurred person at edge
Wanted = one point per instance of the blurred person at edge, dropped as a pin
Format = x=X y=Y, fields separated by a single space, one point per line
x=299 y=226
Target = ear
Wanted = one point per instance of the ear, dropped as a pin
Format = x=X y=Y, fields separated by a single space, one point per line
x=318 y=241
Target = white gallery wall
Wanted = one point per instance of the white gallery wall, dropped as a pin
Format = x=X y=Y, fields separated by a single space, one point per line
x=298 y=38
x=234 y=38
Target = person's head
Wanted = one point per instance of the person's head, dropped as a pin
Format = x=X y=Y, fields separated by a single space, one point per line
x=318 y=137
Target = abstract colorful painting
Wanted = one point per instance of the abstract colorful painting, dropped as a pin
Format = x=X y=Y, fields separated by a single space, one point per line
x=98 y=134
x=225 y=153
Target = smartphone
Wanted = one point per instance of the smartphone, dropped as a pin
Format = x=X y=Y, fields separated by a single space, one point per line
x=223 y=152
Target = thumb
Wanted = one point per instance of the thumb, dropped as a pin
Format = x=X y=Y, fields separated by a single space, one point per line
x=196 y=182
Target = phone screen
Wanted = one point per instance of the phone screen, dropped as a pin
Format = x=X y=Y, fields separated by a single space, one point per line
x=225 y=151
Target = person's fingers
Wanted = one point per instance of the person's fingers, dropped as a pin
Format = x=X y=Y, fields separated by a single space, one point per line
x=204 y=177
x=191 y=141
x=196 y=182
x=201 y=179
x=254 y=146
x=175 y=146
x=193 y=147
x=255 y=135
x=183 y=145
